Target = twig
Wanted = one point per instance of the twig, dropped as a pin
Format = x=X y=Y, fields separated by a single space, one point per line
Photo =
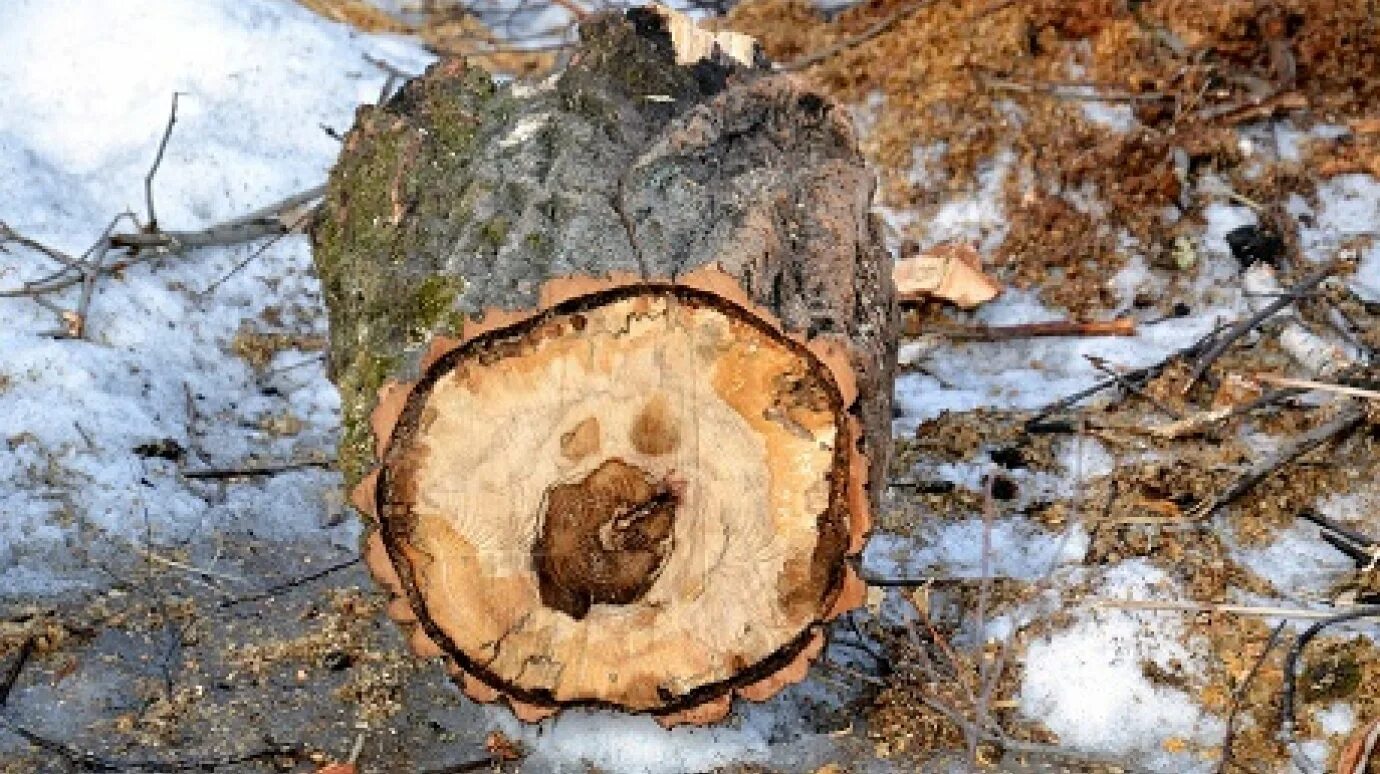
x=8 y=234
x=1308 y=384
x=1039 y=423
x=1072 y=91
x=1184 y=606
x=166 y=562
x=1291 y=663
x=986 y=682
x=1349 y=417
x=256 y=470
x=1240 y=694
x=1123 y=326
x=1302 y=287
x=294 y=583
x=1200 y=420
x=92 y=271
x=1130 y=388
x=157 y=162
x=12 y=674
x=88 y=761
x=239 y=266
x=1015 y=745
x=277 y=218
x=1351 y=535
x=810 y=60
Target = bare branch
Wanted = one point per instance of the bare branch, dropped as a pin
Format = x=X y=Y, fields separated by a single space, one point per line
x=157 y=162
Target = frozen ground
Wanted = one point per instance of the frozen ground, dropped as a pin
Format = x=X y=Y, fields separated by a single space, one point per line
x=88 y=508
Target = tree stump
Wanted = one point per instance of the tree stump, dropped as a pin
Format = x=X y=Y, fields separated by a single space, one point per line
x=615 y=354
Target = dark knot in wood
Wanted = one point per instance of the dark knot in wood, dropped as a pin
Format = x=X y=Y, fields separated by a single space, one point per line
x=604 y=539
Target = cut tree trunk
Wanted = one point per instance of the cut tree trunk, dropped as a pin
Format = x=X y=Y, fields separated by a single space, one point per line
x=615 y=355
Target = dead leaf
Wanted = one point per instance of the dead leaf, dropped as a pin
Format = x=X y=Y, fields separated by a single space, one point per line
x=1235 y=390
x=502 y=748
x=952 y=272
x=74 y=324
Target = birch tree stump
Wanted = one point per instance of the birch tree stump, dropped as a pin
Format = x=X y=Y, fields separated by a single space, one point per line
x=615 y=355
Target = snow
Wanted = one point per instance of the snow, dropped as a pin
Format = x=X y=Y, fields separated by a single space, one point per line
x=582 y=738
x=1298 y=563
x=953 y=549
x=1031 y=373
x=1088 y=684
x=85 y=112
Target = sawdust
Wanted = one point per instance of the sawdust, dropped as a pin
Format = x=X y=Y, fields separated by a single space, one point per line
x=972 y=80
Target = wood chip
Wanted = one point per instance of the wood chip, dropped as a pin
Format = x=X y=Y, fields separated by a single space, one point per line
x=952 y=272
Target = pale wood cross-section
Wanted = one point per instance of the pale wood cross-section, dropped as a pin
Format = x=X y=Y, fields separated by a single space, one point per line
x=637 y=498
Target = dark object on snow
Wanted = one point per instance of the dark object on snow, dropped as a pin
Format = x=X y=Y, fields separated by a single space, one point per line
x=163 y=449
x=1250 y=244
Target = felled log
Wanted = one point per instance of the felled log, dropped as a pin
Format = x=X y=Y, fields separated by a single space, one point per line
x=615 y=355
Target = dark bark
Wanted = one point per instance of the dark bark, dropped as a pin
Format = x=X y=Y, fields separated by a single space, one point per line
x=459 y=195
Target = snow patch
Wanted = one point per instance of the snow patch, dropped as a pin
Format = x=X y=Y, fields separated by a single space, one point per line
x=1088 y=683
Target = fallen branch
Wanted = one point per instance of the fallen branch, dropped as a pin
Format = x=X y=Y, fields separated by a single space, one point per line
x=876 y=30
x=88 y=761
x=1350 y=417
x=1185 y=606
x=294 y=583
x=1308 y=384
x=1240 y=694
x=1223 y=342
x=247 y=471
x=1122 y=326
x=275 y=219
x=1291 y=664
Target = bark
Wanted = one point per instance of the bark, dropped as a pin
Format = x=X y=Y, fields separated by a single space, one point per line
x=476 y=237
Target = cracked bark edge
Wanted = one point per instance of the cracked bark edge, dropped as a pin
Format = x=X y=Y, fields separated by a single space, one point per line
x=789 y=664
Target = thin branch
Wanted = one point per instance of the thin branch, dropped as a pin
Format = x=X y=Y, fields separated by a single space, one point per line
x=1072 y=91
x=87 y=761
x=1130 y=388
x=1350 y=417
x=1291 y=663
x=275 y=219
x=1240 y=694
x=1184 y=606
x=1223 y=342
x=876 y=30
x=1308 y=384
x=92 y=272
x=292 y=584
x=1140 y=376
x=246 y=471
x=12 y=673
x=1124 y=326
x=157 y=162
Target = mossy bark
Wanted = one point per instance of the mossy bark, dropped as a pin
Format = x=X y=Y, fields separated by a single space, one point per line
x=460 y=195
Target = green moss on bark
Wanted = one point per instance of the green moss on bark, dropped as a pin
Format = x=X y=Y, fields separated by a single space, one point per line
x=384 y=288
